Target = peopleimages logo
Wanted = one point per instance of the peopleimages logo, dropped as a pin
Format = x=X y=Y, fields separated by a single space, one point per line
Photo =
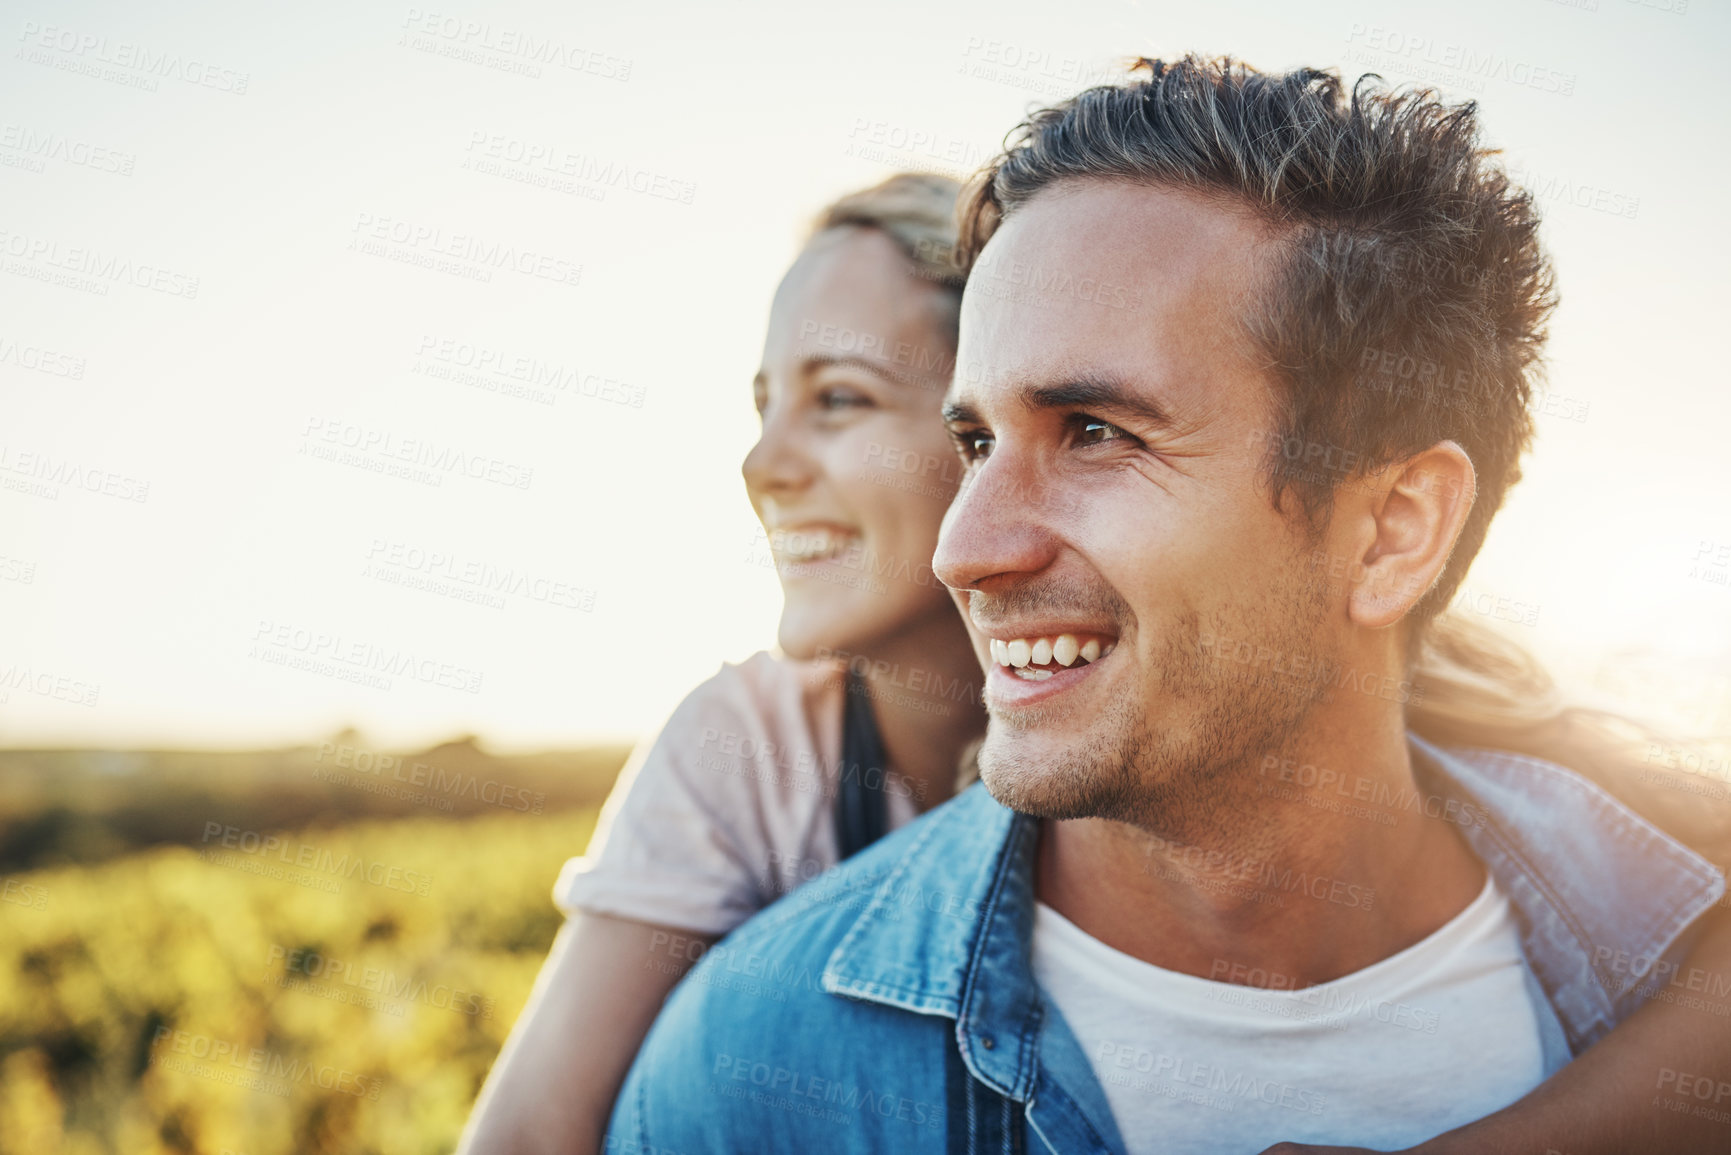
x=1376 y=792
x=517 y=46
x=40 y=360
x=1430 y=58
x=519 y=374
x=465 y=253
x=1230 y=1088
x=38 y=147
x=45 y=253
x=32 y=895
x=384 y=446
x=47 y=684
x=1265 y=875
x=306 y=856
x=283 y=642
x=87 y=52
x=436 y=778
x=999 y=277
x=229 y=1062
x=301 y=965
x=480 y=577
x=54 y=472
x=796 y=1086
x=538 y=162
x=1308 y=672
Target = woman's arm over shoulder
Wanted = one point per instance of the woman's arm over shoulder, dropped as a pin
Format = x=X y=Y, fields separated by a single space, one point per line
x=1661 y=1081
x=552 y=1088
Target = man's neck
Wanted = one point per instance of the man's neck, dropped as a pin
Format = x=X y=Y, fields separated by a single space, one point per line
x=1322 y=867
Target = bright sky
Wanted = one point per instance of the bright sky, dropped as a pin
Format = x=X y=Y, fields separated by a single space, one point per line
x=216 y=227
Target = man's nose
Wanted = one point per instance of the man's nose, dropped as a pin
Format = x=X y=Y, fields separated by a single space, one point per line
x=998 y=525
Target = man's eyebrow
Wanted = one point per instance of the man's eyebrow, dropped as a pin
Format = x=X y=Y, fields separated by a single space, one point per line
x=1096 y=392
x=1091 y=391
x=960 y=413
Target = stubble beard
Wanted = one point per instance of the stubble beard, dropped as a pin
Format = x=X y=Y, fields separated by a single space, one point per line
x=1178 y=761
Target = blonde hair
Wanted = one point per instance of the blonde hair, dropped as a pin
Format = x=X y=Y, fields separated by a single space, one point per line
x=916 y=210
x=1473 y=687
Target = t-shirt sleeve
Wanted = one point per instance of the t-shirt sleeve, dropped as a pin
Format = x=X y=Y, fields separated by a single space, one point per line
x=682 y=839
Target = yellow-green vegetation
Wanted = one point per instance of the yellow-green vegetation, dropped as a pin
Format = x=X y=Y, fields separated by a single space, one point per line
x=269 y=998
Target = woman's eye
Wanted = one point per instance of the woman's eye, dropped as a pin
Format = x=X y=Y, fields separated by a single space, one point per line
x=834 y=398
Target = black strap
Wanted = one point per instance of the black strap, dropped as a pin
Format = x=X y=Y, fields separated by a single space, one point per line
x=861 y=817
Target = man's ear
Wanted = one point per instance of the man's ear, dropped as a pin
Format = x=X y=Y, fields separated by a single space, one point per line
x=1407 y=528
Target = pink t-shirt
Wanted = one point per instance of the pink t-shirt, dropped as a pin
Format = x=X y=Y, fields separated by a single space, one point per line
x=730 y=806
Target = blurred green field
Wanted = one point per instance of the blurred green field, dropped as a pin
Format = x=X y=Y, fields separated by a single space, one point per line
x=343 y=988
x=83 y=806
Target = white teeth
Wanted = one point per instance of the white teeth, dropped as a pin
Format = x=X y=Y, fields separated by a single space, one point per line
x=1064 y=650
x=1033 y=675
x=809 y=545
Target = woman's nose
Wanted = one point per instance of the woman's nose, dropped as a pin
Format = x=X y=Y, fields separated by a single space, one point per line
x=780 y=462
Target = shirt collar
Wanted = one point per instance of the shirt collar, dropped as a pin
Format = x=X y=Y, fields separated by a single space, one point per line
x=948 y=930
x=947 y=933
x=1594 y=883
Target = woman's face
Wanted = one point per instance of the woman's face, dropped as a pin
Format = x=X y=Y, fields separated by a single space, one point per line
x=853 y=470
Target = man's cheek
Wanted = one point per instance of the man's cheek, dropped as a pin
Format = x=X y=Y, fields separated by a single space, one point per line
x=981 y=643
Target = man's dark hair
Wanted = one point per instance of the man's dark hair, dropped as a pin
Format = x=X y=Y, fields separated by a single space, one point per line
x=1409 y=298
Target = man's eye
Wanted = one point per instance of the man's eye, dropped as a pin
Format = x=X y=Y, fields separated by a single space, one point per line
x=1091 y=430
x=973 y=444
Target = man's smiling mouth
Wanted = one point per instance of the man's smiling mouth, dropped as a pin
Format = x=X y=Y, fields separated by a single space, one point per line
x=1036 y=658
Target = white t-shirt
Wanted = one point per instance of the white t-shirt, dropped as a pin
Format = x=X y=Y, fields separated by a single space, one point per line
x=730 y=806
x=1422 y=1042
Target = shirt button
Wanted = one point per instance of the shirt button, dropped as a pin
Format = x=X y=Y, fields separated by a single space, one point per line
x=987 y=1042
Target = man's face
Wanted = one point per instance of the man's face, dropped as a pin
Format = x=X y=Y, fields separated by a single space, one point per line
x=1114 y=492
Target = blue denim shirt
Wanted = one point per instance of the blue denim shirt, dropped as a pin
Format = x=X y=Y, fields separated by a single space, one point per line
x=889 y=1005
